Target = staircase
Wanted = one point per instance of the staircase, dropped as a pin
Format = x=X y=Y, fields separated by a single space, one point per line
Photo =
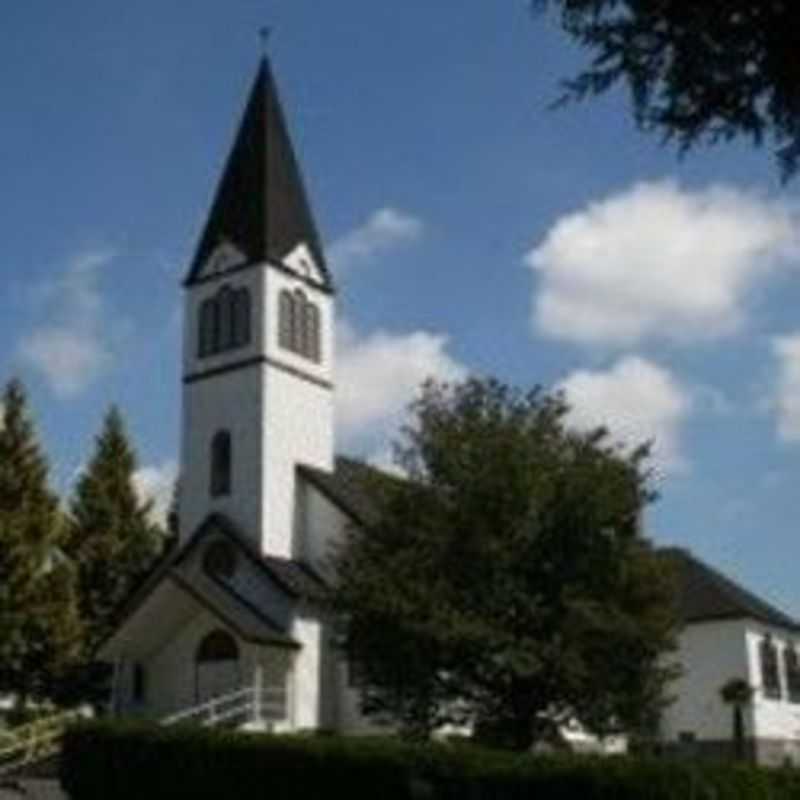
x=251 y=708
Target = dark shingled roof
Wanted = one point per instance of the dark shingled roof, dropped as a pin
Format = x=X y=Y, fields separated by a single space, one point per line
x=261 y=206
x=705 y=594
x=250 y=623
x=348 y=486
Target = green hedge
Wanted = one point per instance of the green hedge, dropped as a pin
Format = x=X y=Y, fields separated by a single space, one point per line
x=137 y=762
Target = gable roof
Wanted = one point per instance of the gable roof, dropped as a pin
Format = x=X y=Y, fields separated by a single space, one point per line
x=348 y=486
x=260 y=206
x=295 y=578
x=248 y=622
x=706 y=594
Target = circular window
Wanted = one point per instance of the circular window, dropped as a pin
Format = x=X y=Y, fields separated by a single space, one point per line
x=220 y=560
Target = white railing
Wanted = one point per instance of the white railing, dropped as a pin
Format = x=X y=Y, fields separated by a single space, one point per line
x=34 y=741
x=252 y=706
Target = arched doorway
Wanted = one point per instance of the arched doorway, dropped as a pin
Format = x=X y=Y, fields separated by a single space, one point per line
x=217 y=667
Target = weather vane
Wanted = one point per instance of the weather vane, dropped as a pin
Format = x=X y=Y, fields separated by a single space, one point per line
x=264 y=33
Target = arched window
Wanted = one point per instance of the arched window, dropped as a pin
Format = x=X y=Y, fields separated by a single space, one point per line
x=205 y=328
x=224 y=321
x=286 y=313
x=241 y=318
x=792 y=664
x=299 y=328
x=221 y=464
x=770 y=677
x=217 y=646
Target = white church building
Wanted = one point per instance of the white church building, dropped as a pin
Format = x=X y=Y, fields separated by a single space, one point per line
x=232 y=624
x=237 y=605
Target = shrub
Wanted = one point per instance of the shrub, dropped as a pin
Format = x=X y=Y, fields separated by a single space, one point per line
x=141 y=762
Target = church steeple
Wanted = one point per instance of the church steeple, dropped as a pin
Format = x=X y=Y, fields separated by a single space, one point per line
x=260 y=207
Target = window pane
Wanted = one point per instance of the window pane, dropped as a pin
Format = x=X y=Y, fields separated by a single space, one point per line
x=285 y=319
x=221 y=462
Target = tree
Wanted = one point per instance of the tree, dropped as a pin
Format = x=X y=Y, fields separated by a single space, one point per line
x=698 y=72
x=738 y=694
x=505 y=582
x=111 y=541
x=40 y=631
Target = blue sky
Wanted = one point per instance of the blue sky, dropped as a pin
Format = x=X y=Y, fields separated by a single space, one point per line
x=469 y=227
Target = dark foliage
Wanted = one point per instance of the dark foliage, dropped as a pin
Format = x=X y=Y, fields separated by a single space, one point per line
x=697 y=72
x=506 y=581
x=40 y=631
x=135 y=762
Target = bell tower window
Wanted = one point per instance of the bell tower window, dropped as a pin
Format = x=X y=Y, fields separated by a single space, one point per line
x=299 y=327
x=221 y=464
x=224 y=322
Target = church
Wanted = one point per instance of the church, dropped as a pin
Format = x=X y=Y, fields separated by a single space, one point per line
x=236 y=608
x=231 y=627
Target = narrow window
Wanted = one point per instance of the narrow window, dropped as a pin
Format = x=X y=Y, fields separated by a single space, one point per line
x=286 y=313
x=241 y=318
x=792 y=665
x=221 y=464
x=311 y=332
x=139 y=683
x=225 y=302
x=205 y=328
x=298 y=321
x=770 y=678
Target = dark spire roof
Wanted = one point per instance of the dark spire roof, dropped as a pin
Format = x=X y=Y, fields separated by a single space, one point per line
x=260 y=206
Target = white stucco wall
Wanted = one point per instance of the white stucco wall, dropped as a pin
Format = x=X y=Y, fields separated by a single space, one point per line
x=710 y=653
x=321 y=526
x=170 y=669
x=278 y=407
x=772 y=718
x=305 y=686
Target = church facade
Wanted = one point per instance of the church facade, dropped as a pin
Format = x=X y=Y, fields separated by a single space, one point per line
x=238 y=606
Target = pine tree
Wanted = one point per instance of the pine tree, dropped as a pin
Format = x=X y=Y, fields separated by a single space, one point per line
x=112 y=541
x=40 y=632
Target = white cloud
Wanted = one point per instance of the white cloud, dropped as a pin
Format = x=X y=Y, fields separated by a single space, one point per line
x=657 y=261
x=71 y=350
x=156 y=482
x=786 y=399
x=384 y=230
x=379 y=374
x=637 y=401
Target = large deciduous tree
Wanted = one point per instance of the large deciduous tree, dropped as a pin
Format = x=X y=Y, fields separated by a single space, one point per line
x=506 y=582
x=698 y=72
x=40 y=630
x=112 y=540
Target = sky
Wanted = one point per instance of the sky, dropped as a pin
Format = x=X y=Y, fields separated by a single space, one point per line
x=471 y=229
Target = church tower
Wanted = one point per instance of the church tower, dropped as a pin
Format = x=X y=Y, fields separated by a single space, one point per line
x=258 y=340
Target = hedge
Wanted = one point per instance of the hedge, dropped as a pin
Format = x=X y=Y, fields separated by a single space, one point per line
x=140 y=762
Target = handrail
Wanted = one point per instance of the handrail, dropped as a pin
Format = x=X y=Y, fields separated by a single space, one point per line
x=251 y=703
x=35 y=740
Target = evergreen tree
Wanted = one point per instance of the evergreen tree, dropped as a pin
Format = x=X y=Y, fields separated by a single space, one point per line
x=40 y=632
x=111 y=541
x=506 y=582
